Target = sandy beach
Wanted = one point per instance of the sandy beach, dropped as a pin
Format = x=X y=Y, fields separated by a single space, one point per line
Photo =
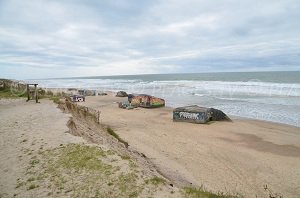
x=237 y=157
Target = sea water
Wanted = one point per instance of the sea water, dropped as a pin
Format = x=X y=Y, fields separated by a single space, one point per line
x=271 y=96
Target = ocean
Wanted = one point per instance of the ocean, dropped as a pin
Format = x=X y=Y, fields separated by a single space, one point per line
x=271 y=96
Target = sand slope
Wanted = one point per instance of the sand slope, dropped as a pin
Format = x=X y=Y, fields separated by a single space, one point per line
x=40 y=158
x=238 y=157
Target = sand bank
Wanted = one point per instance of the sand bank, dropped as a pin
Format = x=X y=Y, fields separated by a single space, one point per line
x=238 y=157
x=40 y=158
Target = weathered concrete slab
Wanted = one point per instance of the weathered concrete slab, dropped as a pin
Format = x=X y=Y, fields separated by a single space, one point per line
x=196 y=114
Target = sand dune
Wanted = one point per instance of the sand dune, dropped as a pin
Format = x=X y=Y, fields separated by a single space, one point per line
x=40 y=158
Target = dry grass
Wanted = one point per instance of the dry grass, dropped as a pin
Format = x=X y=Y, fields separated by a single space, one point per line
x=55 y=99
x=77 y=170
x=192 y=192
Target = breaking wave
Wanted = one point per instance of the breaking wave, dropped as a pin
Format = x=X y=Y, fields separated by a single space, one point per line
x=277 y=102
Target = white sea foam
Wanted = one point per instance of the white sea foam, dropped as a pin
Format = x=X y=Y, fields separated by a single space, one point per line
x=278 y=102
x=220 y=87
x=197 y=87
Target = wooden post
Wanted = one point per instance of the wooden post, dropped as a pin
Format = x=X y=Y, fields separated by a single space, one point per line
x=98 y=117
x=36 y=93
x=28 y=93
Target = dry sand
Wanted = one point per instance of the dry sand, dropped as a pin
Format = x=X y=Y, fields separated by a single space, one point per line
x=237 y=157
x=26 y=128
x=34 y=157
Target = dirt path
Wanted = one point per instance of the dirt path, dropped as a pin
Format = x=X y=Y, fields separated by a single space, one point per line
x=25 y=129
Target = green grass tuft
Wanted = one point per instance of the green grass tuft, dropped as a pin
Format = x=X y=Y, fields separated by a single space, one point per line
x=82 y=157
x=35 y=161
x=32 y=186
x=112 y=133
x=193 y=192
x=7 y=93
x=125 y=157
x=155 y=181
x=127 y=184
x=55 y=99
x=80 y=170
x=31 y=179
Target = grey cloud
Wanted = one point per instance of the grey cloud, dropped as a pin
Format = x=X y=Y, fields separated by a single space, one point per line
x=124 y=37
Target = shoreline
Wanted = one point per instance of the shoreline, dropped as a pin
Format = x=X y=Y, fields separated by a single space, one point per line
x=56 y=90
x=221 y=149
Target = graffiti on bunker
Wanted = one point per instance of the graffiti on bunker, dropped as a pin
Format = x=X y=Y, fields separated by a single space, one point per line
x=182 y=115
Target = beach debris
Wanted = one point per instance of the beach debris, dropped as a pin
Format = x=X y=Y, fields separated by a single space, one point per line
x=126 y=105
x=86 y=92
x=77 y=98
x=199 y=115
x=121 y=94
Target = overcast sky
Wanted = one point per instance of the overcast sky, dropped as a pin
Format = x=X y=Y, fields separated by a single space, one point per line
x=57 y=38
